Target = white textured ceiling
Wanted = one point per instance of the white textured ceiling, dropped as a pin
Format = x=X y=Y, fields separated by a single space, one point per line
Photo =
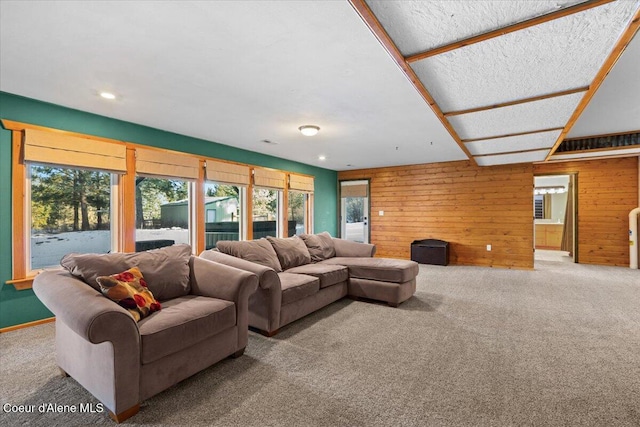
x=502 y=159
x=245 y=71
x=231 y=72
x=558 y=55
x=528 y=142
x=525 y=81
x=616 y=106
x=416 y=26
x=538 y=115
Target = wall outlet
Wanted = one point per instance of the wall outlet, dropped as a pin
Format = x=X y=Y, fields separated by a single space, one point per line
x=489 y=248
x=380 y=213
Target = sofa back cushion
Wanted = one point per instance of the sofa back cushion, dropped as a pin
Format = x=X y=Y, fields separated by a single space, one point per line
x=166 y=270
x=320 y=246
x=259 y=251
x=291 y=251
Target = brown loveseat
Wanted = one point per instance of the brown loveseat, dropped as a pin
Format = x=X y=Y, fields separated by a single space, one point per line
x=299 y=275
x=122 y=362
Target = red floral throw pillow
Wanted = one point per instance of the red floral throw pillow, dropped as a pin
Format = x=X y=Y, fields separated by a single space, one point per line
x=129 y=290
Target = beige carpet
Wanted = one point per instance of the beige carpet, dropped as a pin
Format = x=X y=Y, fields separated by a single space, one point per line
x=558 y=346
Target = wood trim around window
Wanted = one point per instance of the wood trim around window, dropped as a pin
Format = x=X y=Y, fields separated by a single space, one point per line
x=126 y=221
x=128 y=204
x=18 y=183
x=199 y=228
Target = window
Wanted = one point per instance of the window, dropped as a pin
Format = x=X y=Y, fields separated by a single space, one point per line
x=164 y=208
x=297 y=213
x=64 y=197
x=224 y=207
x=226 y=193
x=80 y=193
x=299 y=201
x=163 y=212
x=267 y=202
x=266 y=209
x=70 y=210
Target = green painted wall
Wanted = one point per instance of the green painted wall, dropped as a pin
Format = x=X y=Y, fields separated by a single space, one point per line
x=18 y=307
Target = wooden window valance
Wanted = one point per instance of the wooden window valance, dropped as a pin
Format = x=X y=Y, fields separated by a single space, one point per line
x=166 y=164
x=301 y=183
x=66 y=150
x=228 y=173
x=268 y=178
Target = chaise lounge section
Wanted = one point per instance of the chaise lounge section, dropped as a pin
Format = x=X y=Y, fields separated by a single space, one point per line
x=299 y=275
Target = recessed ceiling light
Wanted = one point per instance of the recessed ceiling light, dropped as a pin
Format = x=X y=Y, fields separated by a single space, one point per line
x=107 y=95
x=322 y=158
x=309 y=130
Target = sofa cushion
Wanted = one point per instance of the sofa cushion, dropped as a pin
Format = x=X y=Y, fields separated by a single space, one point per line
x=182 y=322
x=130 y=291
x=259 y=251
x=382 y=269
x=328 y=274
x=297 y=286
x=320 y=246
x=291 y=251
x=166 y=270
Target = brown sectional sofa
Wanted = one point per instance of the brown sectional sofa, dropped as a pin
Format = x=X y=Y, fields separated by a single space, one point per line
x=299 y=275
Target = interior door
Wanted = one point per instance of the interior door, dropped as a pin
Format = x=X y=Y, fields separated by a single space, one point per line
x=354 y=210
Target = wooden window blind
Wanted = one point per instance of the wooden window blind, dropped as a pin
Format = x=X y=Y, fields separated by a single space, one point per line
x=66 y=150
x=268 y=178
x=301 y=183
x=227 y=173
x=166 y=164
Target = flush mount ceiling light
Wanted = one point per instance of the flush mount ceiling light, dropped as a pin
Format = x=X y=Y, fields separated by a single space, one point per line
x=107 y=95
x=309 y=130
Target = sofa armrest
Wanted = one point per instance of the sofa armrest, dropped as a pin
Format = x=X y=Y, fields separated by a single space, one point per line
x=347 y=248
x=221 y=281
x=212 y=279
x=266 y=302
x=84 y=319
x=267 y=277
x=84 y=310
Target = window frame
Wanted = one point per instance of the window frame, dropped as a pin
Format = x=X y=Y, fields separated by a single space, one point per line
x=22 y=274
x=123 y=190
x=306 y=212
x=242 y=205
x=279 y=211
x=191 y=205
x=114 y=240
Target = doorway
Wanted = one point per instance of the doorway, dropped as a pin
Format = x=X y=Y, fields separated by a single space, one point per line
x=554 y=209
x=354 y=210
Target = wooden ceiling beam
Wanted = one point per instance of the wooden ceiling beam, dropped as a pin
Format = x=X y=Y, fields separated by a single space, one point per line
x=508 y=29
x=374 y=25
x=607 y=66
x=516 y=102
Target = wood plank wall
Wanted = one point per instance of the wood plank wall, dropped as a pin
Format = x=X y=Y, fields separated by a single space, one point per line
x=471 y=206
x=607 y=192
x=468 y=206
